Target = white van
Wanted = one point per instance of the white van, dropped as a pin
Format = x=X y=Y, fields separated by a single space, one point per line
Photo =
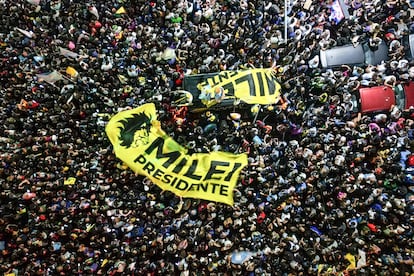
x=353 y=55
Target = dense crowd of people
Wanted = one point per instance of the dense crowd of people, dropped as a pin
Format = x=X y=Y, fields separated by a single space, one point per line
x=327 y=191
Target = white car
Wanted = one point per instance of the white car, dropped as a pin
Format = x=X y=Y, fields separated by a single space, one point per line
x=360 y=54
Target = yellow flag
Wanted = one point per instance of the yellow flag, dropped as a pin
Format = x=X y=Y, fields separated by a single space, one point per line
x=139 y=141
x=351 y=259
x=119 y=35
x=104 y=262
x=69 y=181
x=324 y=269
x=71 y=72
x=121 y=10
x=122 y=79
x=252 y=86
x=320 y=268
x=89 y=227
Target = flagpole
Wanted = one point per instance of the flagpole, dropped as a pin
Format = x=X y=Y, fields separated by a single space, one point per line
x=286 y=21
x=52 y=84
x=257 y=114
x=66 y=78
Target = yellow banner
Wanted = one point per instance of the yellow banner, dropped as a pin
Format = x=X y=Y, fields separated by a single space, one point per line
x=253 y=86
x=121 y=10
x=139 y=141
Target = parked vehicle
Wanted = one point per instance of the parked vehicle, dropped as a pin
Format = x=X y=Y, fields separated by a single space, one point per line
x=382 y=98
x=360 y=54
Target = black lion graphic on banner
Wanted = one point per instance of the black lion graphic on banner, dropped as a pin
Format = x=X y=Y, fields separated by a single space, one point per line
x=134 y=131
